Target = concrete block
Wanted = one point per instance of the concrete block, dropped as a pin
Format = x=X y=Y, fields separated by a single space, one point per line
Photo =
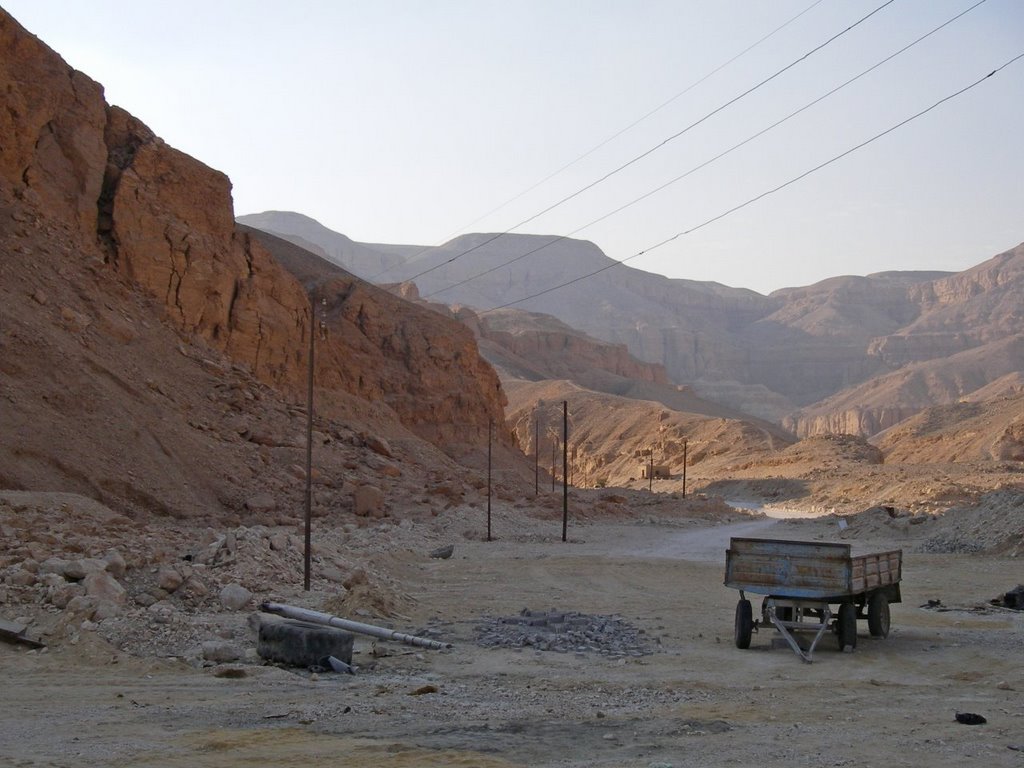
x=301 y=644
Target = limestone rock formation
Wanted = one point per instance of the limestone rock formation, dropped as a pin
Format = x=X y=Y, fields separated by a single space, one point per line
x=168 y=225
x=611 y=436
x=553 y=350
x=52 y=149
x=424 y=366
x=887 y=400
x=152 y=354
x=967 y=431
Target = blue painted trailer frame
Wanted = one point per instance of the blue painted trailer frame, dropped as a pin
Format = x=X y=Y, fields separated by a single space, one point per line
x=800 y=581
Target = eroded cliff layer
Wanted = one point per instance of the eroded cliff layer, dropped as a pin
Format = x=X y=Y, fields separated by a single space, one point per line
x=164 y=221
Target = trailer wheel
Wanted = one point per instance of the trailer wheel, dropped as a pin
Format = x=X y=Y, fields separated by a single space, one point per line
x=846 y=626
x=744 y=624
x=878 y=615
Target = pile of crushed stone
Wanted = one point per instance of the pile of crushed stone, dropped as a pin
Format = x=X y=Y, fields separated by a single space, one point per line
x=565 y=632
x=994 y=525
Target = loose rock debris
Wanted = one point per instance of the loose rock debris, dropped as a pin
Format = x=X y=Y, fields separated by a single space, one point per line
x=565 y=632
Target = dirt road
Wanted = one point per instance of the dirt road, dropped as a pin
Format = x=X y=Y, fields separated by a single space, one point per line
x=694 y=701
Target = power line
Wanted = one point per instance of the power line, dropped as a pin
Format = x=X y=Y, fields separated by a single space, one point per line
x=607 y=141
x=656 y=147
x=706 y=163
x=763 y=194
x=642 y=118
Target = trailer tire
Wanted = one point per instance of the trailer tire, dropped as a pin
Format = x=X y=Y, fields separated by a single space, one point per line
x=846 y=626
x=744 y=624
x=878 y=615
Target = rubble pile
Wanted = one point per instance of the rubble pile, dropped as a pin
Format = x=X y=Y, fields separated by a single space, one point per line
x=565 y=632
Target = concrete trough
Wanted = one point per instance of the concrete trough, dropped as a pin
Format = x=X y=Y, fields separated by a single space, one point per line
x=301 y=644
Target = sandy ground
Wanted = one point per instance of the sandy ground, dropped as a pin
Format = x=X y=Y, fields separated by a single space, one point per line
x=697 y=700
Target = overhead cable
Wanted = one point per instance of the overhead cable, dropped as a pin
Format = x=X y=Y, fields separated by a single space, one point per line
x=706 y=163
x=764 y=194
x=610 y=139
x=655 y=148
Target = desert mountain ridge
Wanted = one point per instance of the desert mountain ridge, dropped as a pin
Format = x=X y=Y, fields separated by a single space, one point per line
x=799 y=357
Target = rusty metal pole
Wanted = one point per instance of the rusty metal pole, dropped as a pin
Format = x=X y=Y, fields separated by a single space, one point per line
x=490 y=432
x=309 y=449
x=554 y=448
x=536 y=454
x=684 y=468
x=565 y=468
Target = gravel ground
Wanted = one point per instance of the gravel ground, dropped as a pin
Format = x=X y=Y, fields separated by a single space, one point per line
x=693 y=700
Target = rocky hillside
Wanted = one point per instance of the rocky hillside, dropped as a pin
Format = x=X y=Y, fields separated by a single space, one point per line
x=990 y=429
x=885 y=401
x=153 y=353
x=820 y=347
x=610 y=436
x=549 y=349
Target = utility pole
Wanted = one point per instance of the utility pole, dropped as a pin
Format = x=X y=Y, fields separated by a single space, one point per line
x=309 y=450
x=490 y=434
x=650 y=472
x=684 y=468
x=554 y=450
x=536 y=453
x=565 y=468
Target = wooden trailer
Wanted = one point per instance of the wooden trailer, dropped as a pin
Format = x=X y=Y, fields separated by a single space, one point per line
x=802 y=580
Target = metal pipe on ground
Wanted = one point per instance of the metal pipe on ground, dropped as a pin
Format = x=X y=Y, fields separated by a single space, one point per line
x=316 y=617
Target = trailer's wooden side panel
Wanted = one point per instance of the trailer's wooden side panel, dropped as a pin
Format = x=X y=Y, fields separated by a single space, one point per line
x=791 y=568
x=807 y=569
x=872 y=571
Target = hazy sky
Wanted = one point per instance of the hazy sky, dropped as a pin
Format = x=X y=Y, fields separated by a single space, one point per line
x=405 y=122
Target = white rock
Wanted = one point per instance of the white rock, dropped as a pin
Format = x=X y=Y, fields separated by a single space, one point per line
x=106 y=609
x=103 y=586
x=53 y=565
x=21 y=578
x=52 y=580
x=76 y=570
x=235 y=597
x=220 y=651
x=168 y=578
x=368 y=501
x=61 y=596
x=83 y=605
x=115 y=563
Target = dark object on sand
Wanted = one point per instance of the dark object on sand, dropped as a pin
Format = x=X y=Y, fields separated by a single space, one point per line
x=969 y=718
x=1015 y=598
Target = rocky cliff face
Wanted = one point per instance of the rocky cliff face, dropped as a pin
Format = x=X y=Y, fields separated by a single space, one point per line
x=423 y=365
x=53 y=152
x=959 y=312
x=165 y=222
x=963 y=431
x=557 y=351
x=886 y=400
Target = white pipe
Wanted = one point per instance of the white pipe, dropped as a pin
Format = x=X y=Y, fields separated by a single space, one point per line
x=316 y=617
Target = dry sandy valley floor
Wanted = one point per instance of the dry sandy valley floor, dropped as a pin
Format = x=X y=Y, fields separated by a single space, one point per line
x=695 y=699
